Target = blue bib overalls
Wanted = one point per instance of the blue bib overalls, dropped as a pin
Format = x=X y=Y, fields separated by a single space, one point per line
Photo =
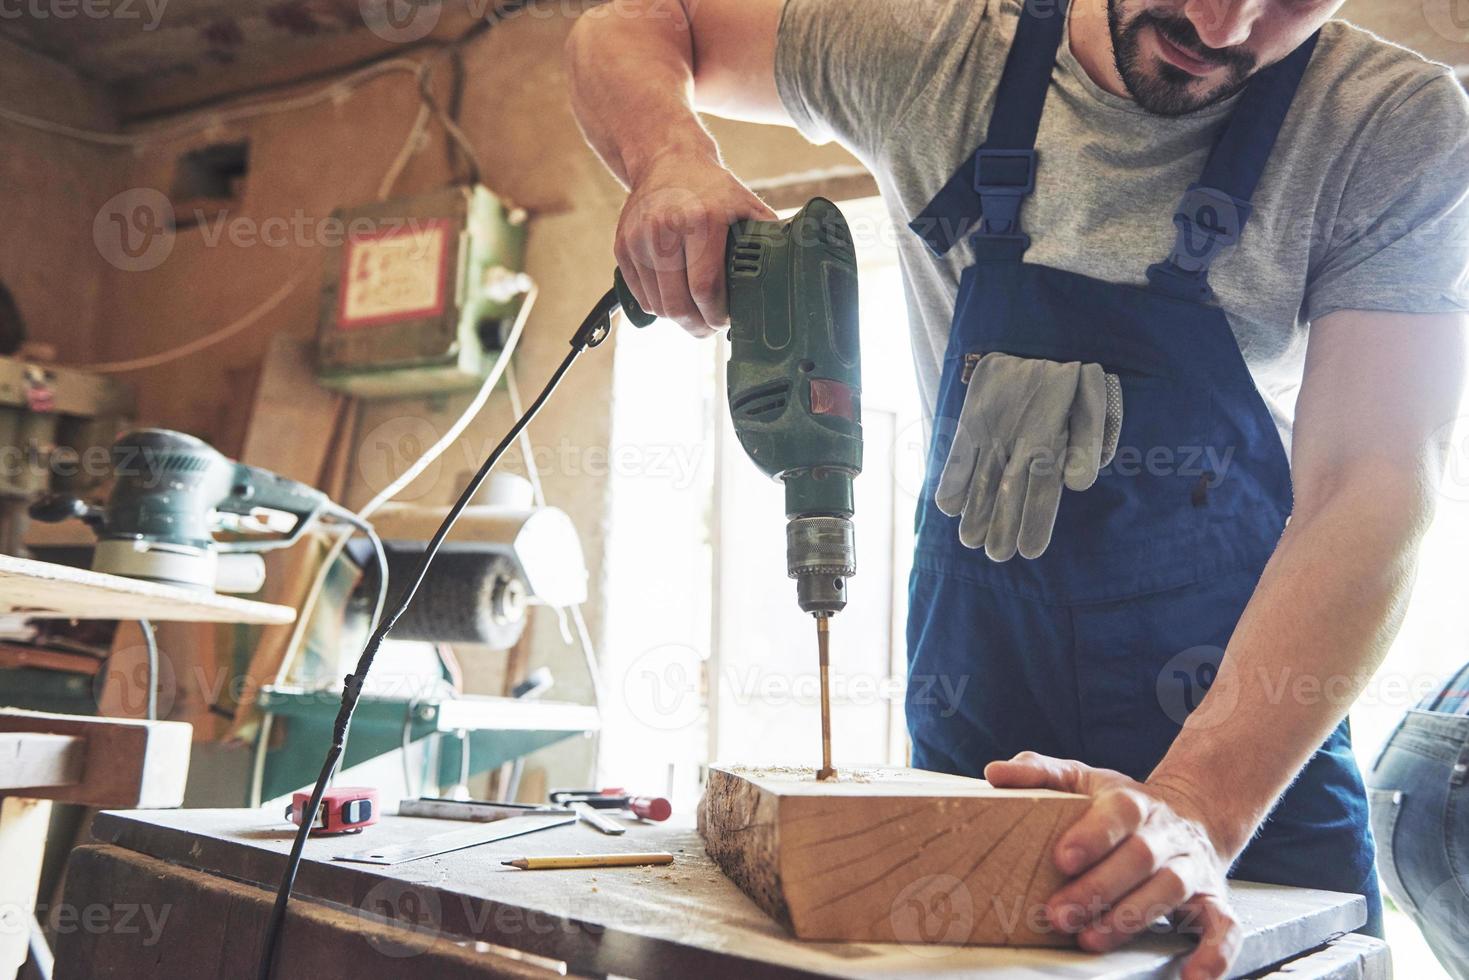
x=1098 y=649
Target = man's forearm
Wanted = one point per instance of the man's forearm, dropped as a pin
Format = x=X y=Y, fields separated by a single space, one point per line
x=1321 y=620
x=632 y=84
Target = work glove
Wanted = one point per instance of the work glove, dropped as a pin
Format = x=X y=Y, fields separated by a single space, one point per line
x=1028 y=426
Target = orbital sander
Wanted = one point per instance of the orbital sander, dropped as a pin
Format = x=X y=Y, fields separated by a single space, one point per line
x=171 y=494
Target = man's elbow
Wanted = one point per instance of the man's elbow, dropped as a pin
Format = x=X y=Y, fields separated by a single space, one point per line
x=1387 y=503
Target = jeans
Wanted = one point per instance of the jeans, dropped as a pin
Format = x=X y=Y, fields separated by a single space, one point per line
x=1419 y=793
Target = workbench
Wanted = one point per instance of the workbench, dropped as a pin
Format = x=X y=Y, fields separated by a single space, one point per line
x=209 y=875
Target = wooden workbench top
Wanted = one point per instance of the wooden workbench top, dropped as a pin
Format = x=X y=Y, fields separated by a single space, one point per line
x=683 y=920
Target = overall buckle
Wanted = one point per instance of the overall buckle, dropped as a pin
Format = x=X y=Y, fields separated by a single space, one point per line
x=1003 y=179
x=1209 y=221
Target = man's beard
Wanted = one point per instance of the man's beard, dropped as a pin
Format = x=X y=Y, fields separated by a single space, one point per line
x=1160 y=87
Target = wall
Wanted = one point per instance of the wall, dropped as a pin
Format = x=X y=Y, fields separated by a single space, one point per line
x=51 y=187
x=306 y=163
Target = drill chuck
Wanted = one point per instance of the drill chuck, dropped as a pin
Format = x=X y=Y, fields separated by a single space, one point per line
x=821 y=554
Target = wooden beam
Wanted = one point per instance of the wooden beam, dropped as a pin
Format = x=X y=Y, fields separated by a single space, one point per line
x=127 y=764
x=29 y=760
x=23 y=826
x=890 y=855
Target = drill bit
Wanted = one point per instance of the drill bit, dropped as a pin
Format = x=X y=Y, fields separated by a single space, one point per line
x=823 y=649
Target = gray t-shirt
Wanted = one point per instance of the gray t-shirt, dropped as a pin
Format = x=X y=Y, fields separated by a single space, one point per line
x=1364 y=205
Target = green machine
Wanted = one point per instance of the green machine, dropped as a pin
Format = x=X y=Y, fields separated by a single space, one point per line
x=795 y=385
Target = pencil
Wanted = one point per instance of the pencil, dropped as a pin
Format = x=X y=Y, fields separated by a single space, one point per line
x=588 y=861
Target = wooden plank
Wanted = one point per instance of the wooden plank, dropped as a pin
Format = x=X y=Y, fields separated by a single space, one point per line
x=292 y=418
x=49 y=591
x=890 y=855
x=34 y=759
x=675 y=922
x=23 y=826
x=127 y=763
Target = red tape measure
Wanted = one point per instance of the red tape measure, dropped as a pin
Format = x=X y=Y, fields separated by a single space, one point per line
x=344 y=809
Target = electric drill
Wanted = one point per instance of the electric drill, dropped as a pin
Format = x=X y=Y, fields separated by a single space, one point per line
x=795 y=380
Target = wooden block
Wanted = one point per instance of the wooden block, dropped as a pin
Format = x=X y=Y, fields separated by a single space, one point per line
x=890 y=855
x=128 y=764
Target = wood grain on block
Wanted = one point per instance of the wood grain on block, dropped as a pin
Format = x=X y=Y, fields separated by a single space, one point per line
x=890 y=855
x=125 y=763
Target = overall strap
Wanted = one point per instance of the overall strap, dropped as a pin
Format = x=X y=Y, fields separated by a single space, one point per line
x=987 y=191
x=1214 y=211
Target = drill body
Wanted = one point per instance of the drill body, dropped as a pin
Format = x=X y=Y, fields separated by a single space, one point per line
x=795 y=396
x=795 y=383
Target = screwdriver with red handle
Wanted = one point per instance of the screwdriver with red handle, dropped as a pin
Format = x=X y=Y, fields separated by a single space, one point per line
x=654 y=808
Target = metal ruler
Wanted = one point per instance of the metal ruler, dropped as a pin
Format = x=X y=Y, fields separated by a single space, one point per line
x=480 y=811
x=455 y=840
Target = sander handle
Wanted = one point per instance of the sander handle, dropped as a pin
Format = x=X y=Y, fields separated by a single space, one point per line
x=253 y=488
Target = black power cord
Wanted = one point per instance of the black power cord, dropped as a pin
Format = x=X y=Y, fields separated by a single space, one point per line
x=591 y=333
